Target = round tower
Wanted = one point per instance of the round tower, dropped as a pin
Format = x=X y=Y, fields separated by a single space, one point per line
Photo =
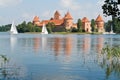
x=100 y=24
x=57 y=15
x=86 y=24
x=68 y=21
x=36 y=20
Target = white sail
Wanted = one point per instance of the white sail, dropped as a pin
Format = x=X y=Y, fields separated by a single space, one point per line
x=13 y=29
x=44 y=29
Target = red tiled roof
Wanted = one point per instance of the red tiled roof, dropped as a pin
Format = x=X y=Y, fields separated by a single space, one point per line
x=99 y=18
x=36 y=19
x=57 y=13
x=68 y=16
x=56 y=22
x=85 y=19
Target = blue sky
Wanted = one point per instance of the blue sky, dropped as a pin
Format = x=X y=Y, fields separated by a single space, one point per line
x=25 y=10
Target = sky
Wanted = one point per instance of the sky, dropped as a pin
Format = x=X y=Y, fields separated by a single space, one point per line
x=25 y=10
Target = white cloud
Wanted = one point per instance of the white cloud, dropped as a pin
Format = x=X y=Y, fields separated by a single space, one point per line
x=5 y=3
x=70 y=4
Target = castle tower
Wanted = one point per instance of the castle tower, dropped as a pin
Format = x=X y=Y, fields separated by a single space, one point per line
x=57 y=15
x=86 y=25
x=36 y=20
x=68 y=21
x=100 y=24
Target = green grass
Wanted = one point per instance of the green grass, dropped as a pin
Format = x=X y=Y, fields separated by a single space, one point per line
x=111 y=51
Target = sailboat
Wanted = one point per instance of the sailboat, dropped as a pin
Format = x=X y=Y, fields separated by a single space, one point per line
x=44 y=30
x=13 y=29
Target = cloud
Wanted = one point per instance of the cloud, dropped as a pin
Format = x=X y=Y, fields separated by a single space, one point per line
x=5 y=3
x=72 y=4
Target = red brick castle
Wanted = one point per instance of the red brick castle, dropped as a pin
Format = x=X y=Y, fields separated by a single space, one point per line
x=67 y=22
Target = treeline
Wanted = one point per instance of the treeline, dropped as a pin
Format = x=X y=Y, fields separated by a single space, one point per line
x=116 y=25
x=29 y=27
x=5 y=28
x=23 y=27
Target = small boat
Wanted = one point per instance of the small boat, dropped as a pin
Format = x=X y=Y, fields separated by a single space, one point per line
x=13 y=29
x=44 y=29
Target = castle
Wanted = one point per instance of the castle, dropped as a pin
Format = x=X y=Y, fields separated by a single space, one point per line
x=67 y=22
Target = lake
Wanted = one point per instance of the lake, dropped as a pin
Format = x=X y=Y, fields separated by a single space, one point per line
x=56 y=57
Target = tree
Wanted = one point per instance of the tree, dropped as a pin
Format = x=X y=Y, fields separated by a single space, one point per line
x=28 y=27
x=50 y=26
x=93 y=25
x=108 y=26
x=110 y=8
x=79 y=25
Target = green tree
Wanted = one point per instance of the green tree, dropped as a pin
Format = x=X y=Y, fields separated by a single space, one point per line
x=108 y=26
x=28 y=27
x=110 y=8
x=93 y=25
x=5 y=28
x=50 y=26
x=79 y=25
x=117 y=26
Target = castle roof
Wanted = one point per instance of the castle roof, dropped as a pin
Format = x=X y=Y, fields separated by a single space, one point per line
x=56 y=22
x=57 y=13
x=36 y=19
x=68 y=16
x=99 y=18
x=85 y=19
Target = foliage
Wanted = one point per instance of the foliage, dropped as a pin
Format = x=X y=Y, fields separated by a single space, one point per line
x=110 y=8
x=111 y=51
x=110 y=60
x=5 y=28
x=93 y=25
x=27 y=27
x=4 y=58
x=79 y=25
x=50 y=27
x=74 y=29
x=116 y=27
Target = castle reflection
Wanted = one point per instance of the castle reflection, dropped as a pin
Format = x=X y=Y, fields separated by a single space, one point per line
x=57 y=46
x=66 y=44
x=86 y=44
x=37 y=44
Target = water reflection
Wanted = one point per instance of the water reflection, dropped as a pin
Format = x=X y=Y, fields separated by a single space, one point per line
x=100 y=44
x=13 y=42
x=71 y=56
x=10 y=70
x=44 y=43
x=37 y=44
x=111 y=65
x=86 y=44
x=67 y=44
x=57 y=46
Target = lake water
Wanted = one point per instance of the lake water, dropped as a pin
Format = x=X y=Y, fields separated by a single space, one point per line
x=56 y=57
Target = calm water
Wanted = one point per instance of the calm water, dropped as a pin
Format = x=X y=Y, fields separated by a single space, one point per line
x=57 y=57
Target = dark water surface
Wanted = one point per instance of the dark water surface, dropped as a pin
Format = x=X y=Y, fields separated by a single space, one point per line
x=56 y=57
